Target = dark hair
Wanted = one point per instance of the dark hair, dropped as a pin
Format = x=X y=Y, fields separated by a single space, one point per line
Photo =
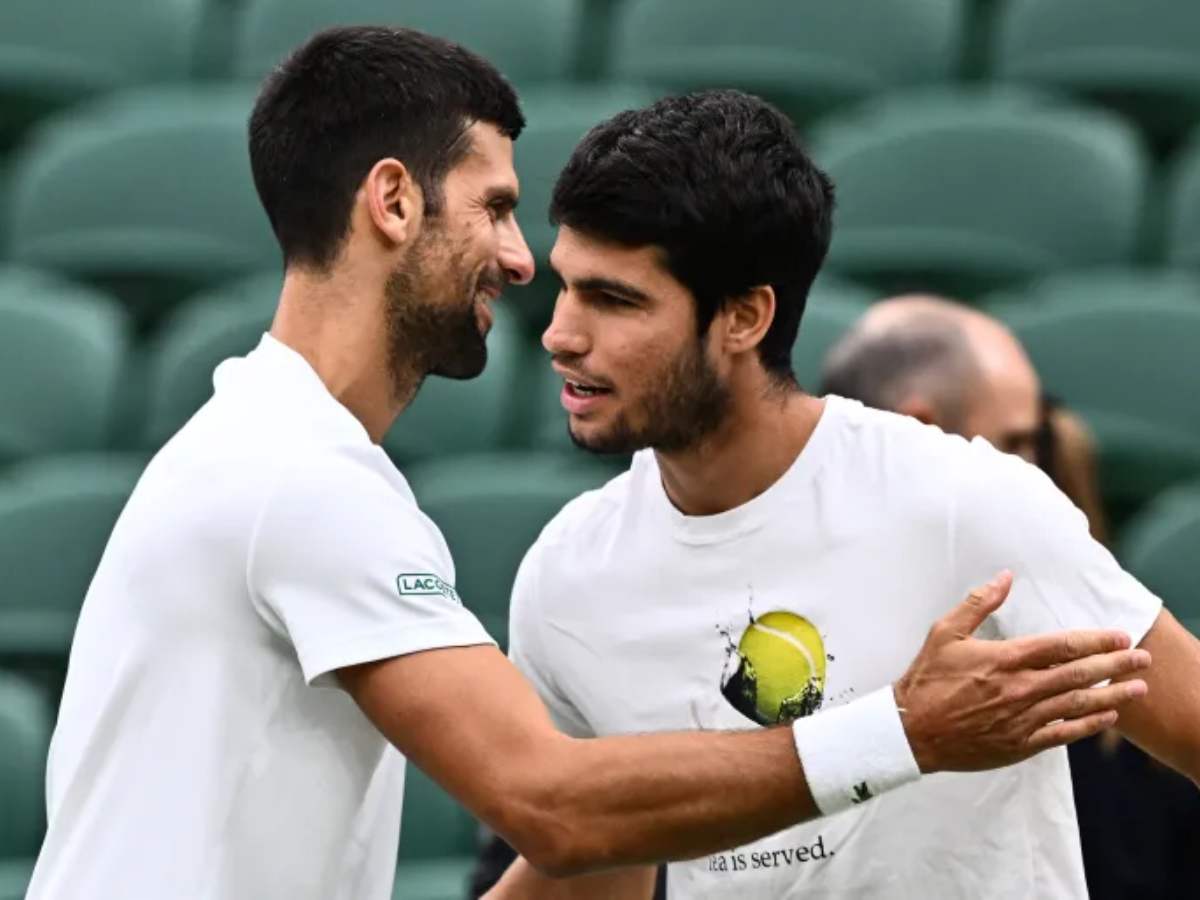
x=927 y=353
x=349 y=97
x=717 y=180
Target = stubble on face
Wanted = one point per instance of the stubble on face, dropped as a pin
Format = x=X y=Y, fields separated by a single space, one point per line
x=684 y=402
x=430 y=313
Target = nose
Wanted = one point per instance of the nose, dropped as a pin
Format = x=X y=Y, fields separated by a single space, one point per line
x=566 y=335
x=515 y=258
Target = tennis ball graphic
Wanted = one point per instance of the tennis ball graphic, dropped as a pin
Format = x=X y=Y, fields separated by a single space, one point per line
x=778 y=669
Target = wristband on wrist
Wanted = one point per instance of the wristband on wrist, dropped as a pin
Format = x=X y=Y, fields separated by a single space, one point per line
x=854 y=752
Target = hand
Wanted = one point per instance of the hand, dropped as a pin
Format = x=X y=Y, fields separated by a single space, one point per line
x=970 y=704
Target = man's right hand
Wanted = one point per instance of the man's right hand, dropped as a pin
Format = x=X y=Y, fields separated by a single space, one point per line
x=969 y=704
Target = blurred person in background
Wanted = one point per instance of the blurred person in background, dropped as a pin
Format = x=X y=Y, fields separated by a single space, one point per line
x=957 y=368
x=770 y=553
x=948 y=365
x=273 y=617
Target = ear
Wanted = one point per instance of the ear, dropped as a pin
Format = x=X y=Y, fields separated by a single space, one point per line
x=920 y=409
x=394 y=202
x=745 y=319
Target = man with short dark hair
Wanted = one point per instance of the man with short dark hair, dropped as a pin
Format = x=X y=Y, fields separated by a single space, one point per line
x=771 y=556
x=274 y=618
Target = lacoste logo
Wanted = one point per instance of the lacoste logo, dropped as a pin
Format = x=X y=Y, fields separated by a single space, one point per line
x=423 y=584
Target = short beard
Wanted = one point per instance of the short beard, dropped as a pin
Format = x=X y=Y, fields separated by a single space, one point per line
x=432 y=329
x=692 y=404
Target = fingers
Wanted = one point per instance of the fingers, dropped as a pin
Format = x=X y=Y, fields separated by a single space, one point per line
x=980 y=603
x=1045 y=650
x=1085 y=672
x=1085 y=702
x=1069 y=731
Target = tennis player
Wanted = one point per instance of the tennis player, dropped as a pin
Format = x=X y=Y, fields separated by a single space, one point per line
x=274 y=625
x=771 y=556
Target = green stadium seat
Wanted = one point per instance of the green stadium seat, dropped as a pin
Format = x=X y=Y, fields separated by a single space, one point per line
x=1138 y=57
x=833 y=306
x=56 y=515
x=964 y=191
x=167 y=204
x=437 y=842
x=62 y=351
x=1104 y=284
x=52 y=54
x=1183 y=207
x=528 y=40
x=1159 y=547
x=808 y=56
x=15 y=875
x=24 y=739
x=558 y=118
x=228 y=321
x=491 y=508
x=1126 y=365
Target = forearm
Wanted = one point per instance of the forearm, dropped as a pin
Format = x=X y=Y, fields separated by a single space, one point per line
x=523 y=882
x=627 y=800
x=1166 y=722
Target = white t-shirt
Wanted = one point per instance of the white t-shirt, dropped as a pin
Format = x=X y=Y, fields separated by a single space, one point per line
x=203 y=747
x=631 y=617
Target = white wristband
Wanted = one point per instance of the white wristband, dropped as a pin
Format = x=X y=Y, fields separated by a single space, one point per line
x=854 y=752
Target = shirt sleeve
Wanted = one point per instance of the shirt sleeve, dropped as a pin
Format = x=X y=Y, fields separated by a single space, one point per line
x=345 y=567
x=1009 y=515
x=527 y=651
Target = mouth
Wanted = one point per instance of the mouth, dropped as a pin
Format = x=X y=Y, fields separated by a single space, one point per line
x=581 y=395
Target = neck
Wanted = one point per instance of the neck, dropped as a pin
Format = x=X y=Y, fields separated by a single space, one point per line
x=333 y=321
x=747 y=454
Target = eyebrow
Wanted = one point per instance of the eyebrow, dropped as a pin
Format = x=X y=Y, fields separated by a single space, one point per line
x=600 y=285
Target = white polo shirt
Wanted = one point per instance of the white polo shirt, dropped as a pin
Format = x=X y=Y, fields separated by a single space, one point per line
x=631 y=617
x=203 y=747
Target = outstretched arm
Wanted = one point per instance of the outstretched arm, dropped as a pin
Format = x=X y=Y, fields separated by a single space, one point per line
x=570 y=806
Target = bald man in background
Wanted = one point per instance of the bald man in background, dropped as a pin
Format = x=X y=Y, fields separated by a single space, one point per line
x=957 y=368
x=952 y=366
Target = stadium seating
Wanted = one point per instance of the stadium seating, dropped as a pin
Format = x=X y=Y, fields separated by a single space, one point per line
x=963 y=190
x=437 y=842
x=56 y=515
x=833 y=306
x=1160 y=548
x=228 y=321
x=1183 y=206
x=1137 y=57
x=1124 y=364
x=806 y=55
x=62 y=349
x=528 y=40
x=55 y=53
x=557 y=119
x=491 y=508
x=148 y=192
x=24 y=737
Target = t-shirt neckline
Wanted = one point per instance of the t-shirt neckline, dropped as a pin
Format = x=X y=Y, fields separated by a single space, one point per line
x=755 y=512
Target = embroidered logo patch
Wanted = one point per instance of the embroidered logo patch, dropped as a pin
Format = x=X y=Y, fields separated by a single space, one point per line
x=423 y=584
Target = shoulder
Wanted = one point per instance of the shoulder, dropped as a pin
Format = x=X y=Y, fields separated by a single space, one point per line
x=581 y=536
x=895 y=463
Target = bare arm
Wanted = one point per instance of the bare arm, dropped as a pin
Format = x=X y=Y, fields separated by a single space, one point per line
x=523 y=882
x=1166 y=722
x=570 y=806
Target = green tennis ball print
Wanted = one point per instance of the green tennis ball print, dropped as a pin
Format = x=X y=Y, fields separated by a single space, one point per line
x=776 y=672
